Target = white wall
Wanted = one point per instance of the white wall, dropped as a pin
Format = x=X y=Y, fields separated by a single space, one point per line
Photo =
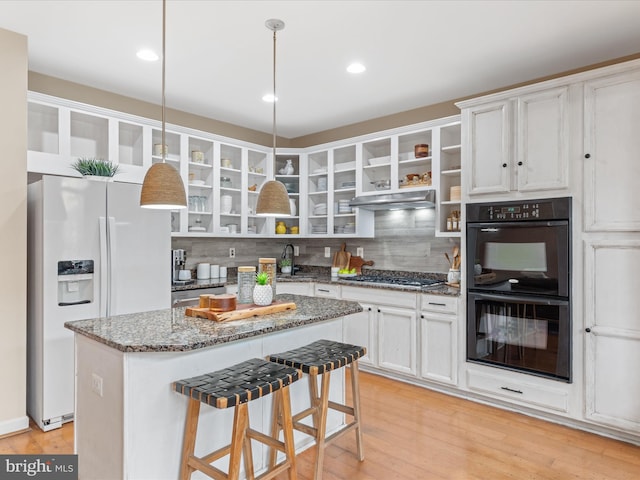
x=13 y=231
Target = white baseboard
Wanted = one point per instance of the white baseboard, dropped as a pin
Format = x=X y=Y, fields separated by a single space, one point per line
x=14 y=425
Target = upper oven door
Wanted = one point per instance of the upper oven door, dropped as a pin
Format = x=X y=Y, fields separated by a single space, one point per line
x=519 y=257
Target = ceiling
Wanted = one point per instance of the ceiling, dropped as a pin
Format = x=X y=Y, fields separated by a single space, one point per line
x=219 y=53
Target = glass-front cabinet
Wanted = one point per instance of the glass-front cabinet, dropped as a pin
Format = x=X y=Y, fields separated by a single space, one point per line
x=287 y=170
x=223 y=176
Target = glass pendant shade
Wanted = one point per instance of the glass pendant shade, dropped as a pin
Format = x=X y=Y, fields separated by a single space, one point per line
x=273 y=200
x=163 y=188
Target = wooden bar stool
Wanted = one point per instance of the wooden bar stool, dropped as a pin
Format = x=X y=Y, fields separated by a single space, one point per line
x=235 y=387
x=320 y=358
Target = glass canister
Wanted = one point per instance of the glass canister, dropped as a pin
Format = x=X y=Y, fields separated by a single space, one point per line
x=225 y=182
x=269 y=265
x=246 y=282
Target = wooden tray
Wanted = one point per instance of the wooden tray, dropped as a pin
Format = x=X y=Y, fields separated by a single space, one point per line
x=243 y=310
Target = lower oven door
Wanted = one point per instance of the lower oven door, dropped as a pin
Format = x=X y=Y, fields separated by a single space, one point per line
x=528 y=334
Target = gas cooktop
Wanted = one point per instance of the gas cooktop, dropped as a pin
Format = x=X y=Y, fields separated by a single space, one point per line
x=399 y=281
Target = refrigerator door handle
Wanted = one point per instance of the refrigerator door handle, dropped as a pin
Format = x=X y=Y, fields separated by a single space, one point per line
x=111 y=305
x=104 y=262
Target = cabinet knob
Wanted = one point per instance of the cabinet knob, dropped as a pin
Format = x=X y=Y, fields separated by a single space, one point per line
x=520 y=164
x=504 y=165
x=421 y=316
x=588 y=330
x=369 y=308
x=588 y=155
x=378 y=310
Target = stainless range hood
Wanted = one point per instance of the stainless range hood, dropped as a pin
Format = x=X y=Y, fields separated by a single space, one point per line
x=392 y=201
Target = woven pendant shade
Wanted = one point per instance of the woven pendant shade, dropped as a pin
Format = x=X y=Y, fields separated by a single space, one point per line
x=162 y=188
x=273 y=200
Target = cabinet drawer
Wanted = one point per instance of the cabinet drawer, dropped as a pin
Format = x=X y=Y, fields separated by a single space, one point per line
x=379 y=296
x=439 y=303
x=327 y=290
x=520 y=391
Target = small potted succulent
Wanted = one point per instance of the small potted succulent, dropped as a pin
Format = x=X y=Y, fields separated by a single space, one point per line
x=262 y=292
x=94 y=168
x=285 y=265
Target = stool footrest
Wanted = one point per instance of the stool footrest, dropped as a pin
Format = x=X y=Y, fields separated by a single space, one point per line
x=266 y=439
x=204 y=467
x=342 y=431
x=213 y=456
x=301 y=427
x=341 y=408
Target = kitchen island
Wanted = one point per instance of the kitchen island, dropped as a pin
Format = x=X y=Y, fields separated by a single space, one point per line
x=129 y=423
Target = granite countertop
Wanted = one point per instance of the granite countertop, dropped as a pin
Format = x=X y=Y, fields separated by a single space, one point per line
x=170 y=330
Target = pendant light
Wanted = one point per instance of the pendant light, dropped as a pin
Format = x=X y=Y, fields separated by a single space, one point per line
x=273 y=199
x=162 y=187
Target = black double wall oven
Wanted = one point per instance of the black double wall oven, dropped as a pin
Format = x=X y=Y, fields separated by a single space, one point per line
x=519 y=286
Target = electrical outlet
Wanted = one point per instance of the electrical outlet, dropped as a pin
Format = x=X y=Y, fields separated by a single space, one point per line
x=232 y=252
x=327 y=252
x=296 y=251
x=360 y=252
x=96 y=384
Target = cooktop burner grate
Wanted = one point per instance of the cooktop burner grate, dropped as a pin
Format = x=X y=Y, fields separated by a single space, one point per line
x=401 y=281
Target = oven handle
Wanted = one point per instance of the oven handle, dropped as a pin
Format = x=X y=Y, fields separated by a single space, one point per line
x=518 y=298
x=516 y=224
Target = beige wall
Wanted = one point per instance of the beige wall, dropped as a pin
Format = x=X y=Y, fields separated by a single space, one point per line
x=13 y=231
x=80 y=93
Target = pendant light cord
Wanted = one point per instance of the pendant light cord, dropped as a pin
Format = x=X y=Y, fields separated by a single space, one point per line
x=164 y=29
x=274 y=95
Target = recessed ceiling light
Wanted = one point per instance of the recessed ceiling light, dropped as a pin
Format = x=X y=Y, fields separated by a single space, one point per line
x=148 y=55
x=269 y=98
x=356 y=68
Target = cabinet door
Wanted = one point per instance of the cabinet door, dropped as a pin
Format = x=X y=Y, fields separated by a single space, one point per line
x=438 y=347
x=397 y=339
x=487 y=148
x=612 y=143
x=542 y=161
x=358 y=329
x=612 y=350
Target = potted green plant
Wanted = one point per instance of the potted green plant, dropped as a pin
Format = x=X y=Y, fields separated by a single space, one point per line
x=95 y=167
x=285 y=265
x=262 y=292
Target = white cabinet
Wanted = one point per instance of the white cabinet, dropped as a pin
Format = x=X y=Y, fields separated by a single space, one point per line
x=329 y=187
x=358 y=329
x=612 y=331
x=611 y=146
x=60 y=132
x=397 y=339
x=439 y=339
x=447 y=177
x=388 y=325
x=517 y=144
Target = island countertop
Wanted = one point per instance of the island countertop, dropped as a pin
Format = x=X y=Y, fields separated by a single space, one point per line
x=170 y=330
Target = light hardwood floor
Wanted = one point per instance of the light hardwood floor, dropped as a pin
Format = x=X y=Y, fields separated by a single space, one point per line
x=414 y=433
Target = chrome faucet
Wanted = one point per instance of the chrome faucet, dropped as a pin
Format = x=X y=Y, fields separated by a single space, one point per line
x=284 y=255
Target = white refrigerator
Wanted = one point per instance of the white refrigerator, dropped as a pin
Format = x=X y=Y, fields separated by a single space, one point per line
x=92 y=252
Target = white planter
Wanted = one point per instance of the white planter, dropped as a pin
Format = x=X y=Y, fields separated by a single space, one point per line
x=262 y=295
x=286 y=269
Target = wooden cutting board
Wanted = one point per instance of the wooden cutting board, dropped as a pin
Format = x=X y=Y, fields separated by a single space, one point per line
x=244 y=310
x=342 y=257
x=358 y=262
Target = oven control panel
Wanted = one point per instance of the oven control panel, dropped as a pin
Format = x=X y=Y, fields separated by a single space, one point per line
x=545 y=209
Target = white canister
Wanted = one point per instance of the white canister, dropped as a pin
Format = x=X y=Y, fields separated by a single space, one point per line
x=214 y=272
x=226 y=202
x=223 y=272
x=203 y=271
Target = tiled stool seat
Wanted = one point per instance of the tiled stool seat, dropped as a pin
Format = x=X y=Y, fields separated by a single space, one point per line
x=320 y=358
x=235 y=387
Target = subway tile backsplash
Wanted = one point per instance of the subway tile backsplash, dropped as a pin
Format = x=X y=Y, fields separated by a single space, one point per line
x=404 y=240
